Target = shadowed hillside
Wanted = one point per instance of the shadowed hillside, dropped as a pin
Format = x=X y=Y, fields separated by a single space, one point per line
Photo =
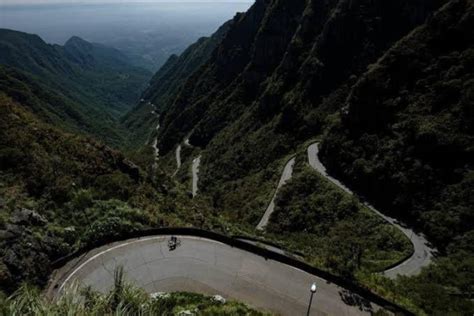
x=97 y=84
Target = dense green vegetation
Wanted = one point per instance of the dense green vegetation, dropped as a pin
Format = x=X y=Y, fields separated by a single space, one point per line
x=250 y=105
x=60 y=191
x=51 y=185
x=123 y=299
x=82 y=86
x=390 y=93
x=167 y=82
x=407 y=144
x=334 y=229
x=386 y=84
x=420 y=123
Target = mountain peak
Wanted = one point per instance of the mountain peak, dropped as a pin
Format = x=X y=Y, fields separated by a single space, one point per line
x=77 y=42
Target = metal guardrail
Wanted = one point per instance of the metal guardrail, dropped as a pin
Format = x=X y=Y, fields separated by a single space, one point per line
x=249 y=247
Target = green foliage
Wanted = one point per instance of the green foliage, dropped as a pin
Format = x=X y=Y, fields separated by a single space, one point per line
x=406 y=144
x=66 y=180
x=81 y=86
x=123 y=299
x=400 y=133
x=112 y=219
x=83 y=191
x=269 y=87
x=167 y=82
x=282 y=75
x=342 y=235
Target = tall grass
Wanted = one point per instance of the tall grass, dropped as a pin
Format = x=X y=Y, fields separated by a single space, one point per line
x=123 y=300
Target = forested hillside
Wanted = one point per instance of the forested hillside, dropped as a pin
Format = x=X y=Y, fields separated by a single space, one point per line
x=167 y=82
x=387 y=86
x=282 y=68
x=61 y=191
x=53 y=185
x=406 y=134
x=96 y=84
x=405 y=140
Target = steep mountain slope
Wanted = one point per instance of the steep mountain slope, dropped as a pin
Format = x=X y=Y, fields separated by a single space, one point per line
x=405 y=139
x=61 y=191
x=406 y=134
x=280 y=70
x=56 y=108
x=386 y=84
x=167 y=82
x=48 y=180
x=95 y=81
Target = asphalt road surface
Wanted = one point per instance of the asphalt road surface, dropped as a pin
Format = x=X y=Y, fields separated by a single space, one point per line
x=156 y=153
x=209 y=267
x=155 y=144
x=286 y=175
x=178 y=159
x=195 y=172
x=187 y=143
x=423 y=252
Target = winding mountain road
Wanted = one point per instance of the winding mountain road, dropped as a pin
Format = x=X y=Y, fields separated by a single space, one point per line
x=156 y=153
x=195 y=172
x=178 y=159
x=187 y=143
x=285 y=176
x=209 y=267
x=422 y=251
x=155 y=141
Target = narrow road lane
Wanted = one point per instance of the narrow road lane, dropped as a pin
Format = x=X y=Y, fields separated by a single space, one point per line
x=156 y=153
x=286 y=175
x=155 y=143
x=186 y=142
x=178 y=159
x=195 y=172
x=422 y=251
x=209 y=267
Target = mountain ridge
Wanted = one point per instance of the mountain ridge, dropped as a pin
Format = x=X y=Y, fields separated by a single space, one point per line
x=96 y=81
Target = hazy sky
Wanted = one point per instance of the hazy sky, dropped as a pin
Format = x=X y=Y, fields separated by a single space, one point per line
x=148 y=31
x=10 y=2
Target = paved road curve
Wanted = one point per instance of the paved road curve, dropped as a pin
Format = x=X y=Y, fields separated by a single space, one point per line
x=209 y=267
x=422 y=254
x=286 y=175
x=195 y=171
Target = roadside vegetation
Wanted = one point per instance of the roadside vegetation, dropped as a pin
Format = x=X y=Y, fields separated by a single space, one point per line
x=394 y=113
x=333 y=229
x=122 y=300
x=60 y=192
